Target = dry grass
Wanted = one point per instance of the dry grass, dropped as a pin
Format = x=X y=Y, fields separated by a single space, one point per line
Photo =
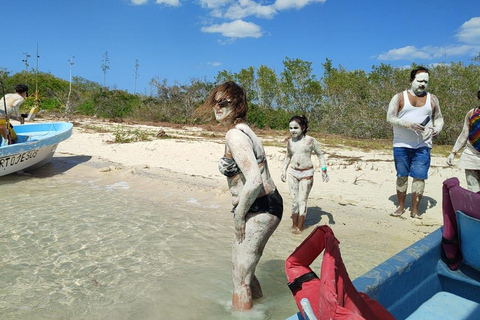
x=275 y=138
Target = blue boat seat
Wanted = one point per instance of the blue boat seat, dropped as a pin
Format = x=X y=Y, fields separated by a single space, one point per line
x=469 y=235
x=446 y=306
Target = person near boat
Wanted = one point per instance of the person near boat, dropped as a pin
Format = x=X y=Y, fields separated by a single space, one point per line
x=257 y=205
x=300 y=176
x=10 y=109
x=470 y=139
x=416 y=118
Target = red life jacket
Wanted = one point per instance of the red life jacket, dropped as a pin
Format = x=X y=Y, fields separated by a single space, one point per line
x=333 y=295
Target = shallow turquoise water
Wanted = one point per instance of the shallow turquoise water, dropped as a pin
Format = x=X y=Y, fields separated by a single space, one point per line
x=73 y=250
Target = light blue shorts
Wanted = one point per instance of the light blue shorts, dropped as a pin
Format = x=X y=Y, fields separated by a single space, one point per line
x=412 y=162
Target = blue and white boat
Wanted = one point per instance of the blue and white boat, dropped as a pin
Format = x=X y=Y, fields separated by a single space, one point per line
x=436 y=278
x=36 y=146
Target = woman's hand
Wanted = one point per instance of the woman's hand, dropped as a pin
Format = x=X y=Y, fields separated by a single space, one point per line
x=239 y=229
x=450 y=159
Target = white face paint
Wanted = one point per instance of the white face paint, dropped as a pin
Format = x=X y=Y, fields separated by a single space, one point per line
x=295 y=129
x=420 y=83
x=222 y=108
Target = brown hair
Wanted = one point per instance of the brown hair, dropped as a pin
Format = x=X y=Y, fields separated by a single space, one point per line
x=237 y=96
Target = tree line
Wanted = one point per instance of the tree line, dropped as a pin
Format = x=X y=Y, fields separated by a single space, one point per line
x=351 y=103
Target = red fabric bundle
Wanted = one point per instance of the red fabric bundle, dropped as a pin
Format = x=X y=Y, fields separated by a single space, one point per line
x=333 y=295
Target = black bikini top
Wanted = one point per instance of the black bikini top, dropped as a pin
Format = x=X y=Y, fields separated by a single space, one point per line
x=229 y=168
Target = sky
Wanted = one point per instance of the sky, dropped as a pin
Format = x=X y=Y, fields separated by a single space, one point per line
x=182 y=40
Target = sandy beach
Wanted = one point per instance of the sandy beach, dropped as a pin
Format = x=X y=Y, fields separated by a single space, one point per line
x=182 y=161
x=179 y=165
x=185 y=209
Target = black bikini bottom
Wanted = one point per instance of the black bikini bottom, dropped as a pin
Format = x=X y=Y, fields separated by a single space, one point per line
x=271 y=203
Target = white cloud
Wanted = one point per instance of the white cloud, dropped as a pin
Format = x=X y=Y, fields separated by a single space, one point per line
x=412 y=53
x=236 y=11
x=241 y=9
x=235 y=29
x=171 y=3
x=408 y=53
x=470 y=31
x=213 y=4
x=468 y=35
x=294 y=4
x=246 y=8
x=214 y=63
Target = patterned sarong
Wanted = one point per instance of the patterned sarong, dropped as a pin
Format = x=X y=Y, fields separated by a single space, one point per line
x=474 y=132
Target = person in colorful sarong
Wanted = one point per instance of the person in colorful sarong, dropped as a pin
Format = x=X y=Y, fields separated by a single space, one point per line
x=300 y=176
x=257 y=205
x=416 y=118
x=470 y=158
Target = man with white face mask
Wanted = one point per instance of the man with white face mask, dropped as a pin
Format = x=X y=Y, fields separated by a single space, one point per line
x=416 y=118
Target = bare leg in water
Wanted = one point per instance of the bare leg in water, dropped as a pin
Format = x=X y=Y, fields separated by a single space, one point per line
x=245 y=256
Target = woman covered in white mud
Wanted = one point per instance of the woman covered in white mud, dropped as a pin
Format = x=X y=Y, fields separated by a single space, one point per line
x=470 y=139
x=257 y=205
x=300 y=176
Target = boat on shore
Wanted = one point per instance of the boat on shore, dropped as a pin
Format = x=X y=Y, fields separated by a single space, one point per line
x=437 y=277
x=36 y=146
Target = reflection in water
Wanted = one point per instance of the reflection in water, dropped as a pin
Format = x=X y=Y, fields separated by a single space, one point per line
x=77 y=251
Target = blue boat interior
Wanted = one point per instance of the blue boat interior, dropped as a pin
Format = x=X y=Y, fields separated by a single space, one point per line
x=38 y=131
x=417 y=284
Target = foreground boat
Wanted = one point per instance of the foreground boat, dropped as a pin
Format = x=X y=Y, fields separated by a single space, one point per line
x=36 y=146
x=438 y=277
x=417 y=284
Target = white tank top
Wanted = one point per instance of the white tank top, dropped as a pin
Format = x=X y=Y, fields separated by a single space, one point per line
x=406 y=138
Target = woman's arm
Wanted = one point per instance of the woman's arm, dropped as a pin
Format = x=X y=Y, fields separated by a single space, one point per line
x=286 y=162
x=462 y=138
x=242 y=153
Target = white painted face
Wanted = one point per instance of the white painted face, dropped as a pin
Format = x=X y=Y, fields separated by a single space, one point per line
x=295 y=129
x=420 y=83
x=222 y=107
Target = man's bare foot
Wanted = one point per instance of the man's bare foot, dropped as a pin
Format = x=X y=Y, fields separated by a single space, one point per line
x=297 y=231
x=398 y=212
x=416 y=215
x=294 y=220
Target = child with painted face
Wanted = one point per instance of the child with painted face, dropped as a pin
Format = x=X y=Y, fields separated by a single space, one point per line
x=300 y=176
x=416 y=118
x=257 y=205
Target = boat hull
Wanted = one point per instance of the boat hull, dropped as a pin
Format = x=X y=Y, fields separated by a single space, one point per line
x=38 y=143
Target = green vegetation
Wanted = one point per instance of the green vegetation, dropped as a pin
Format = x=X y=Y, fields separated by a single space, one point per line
x=338 y=103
